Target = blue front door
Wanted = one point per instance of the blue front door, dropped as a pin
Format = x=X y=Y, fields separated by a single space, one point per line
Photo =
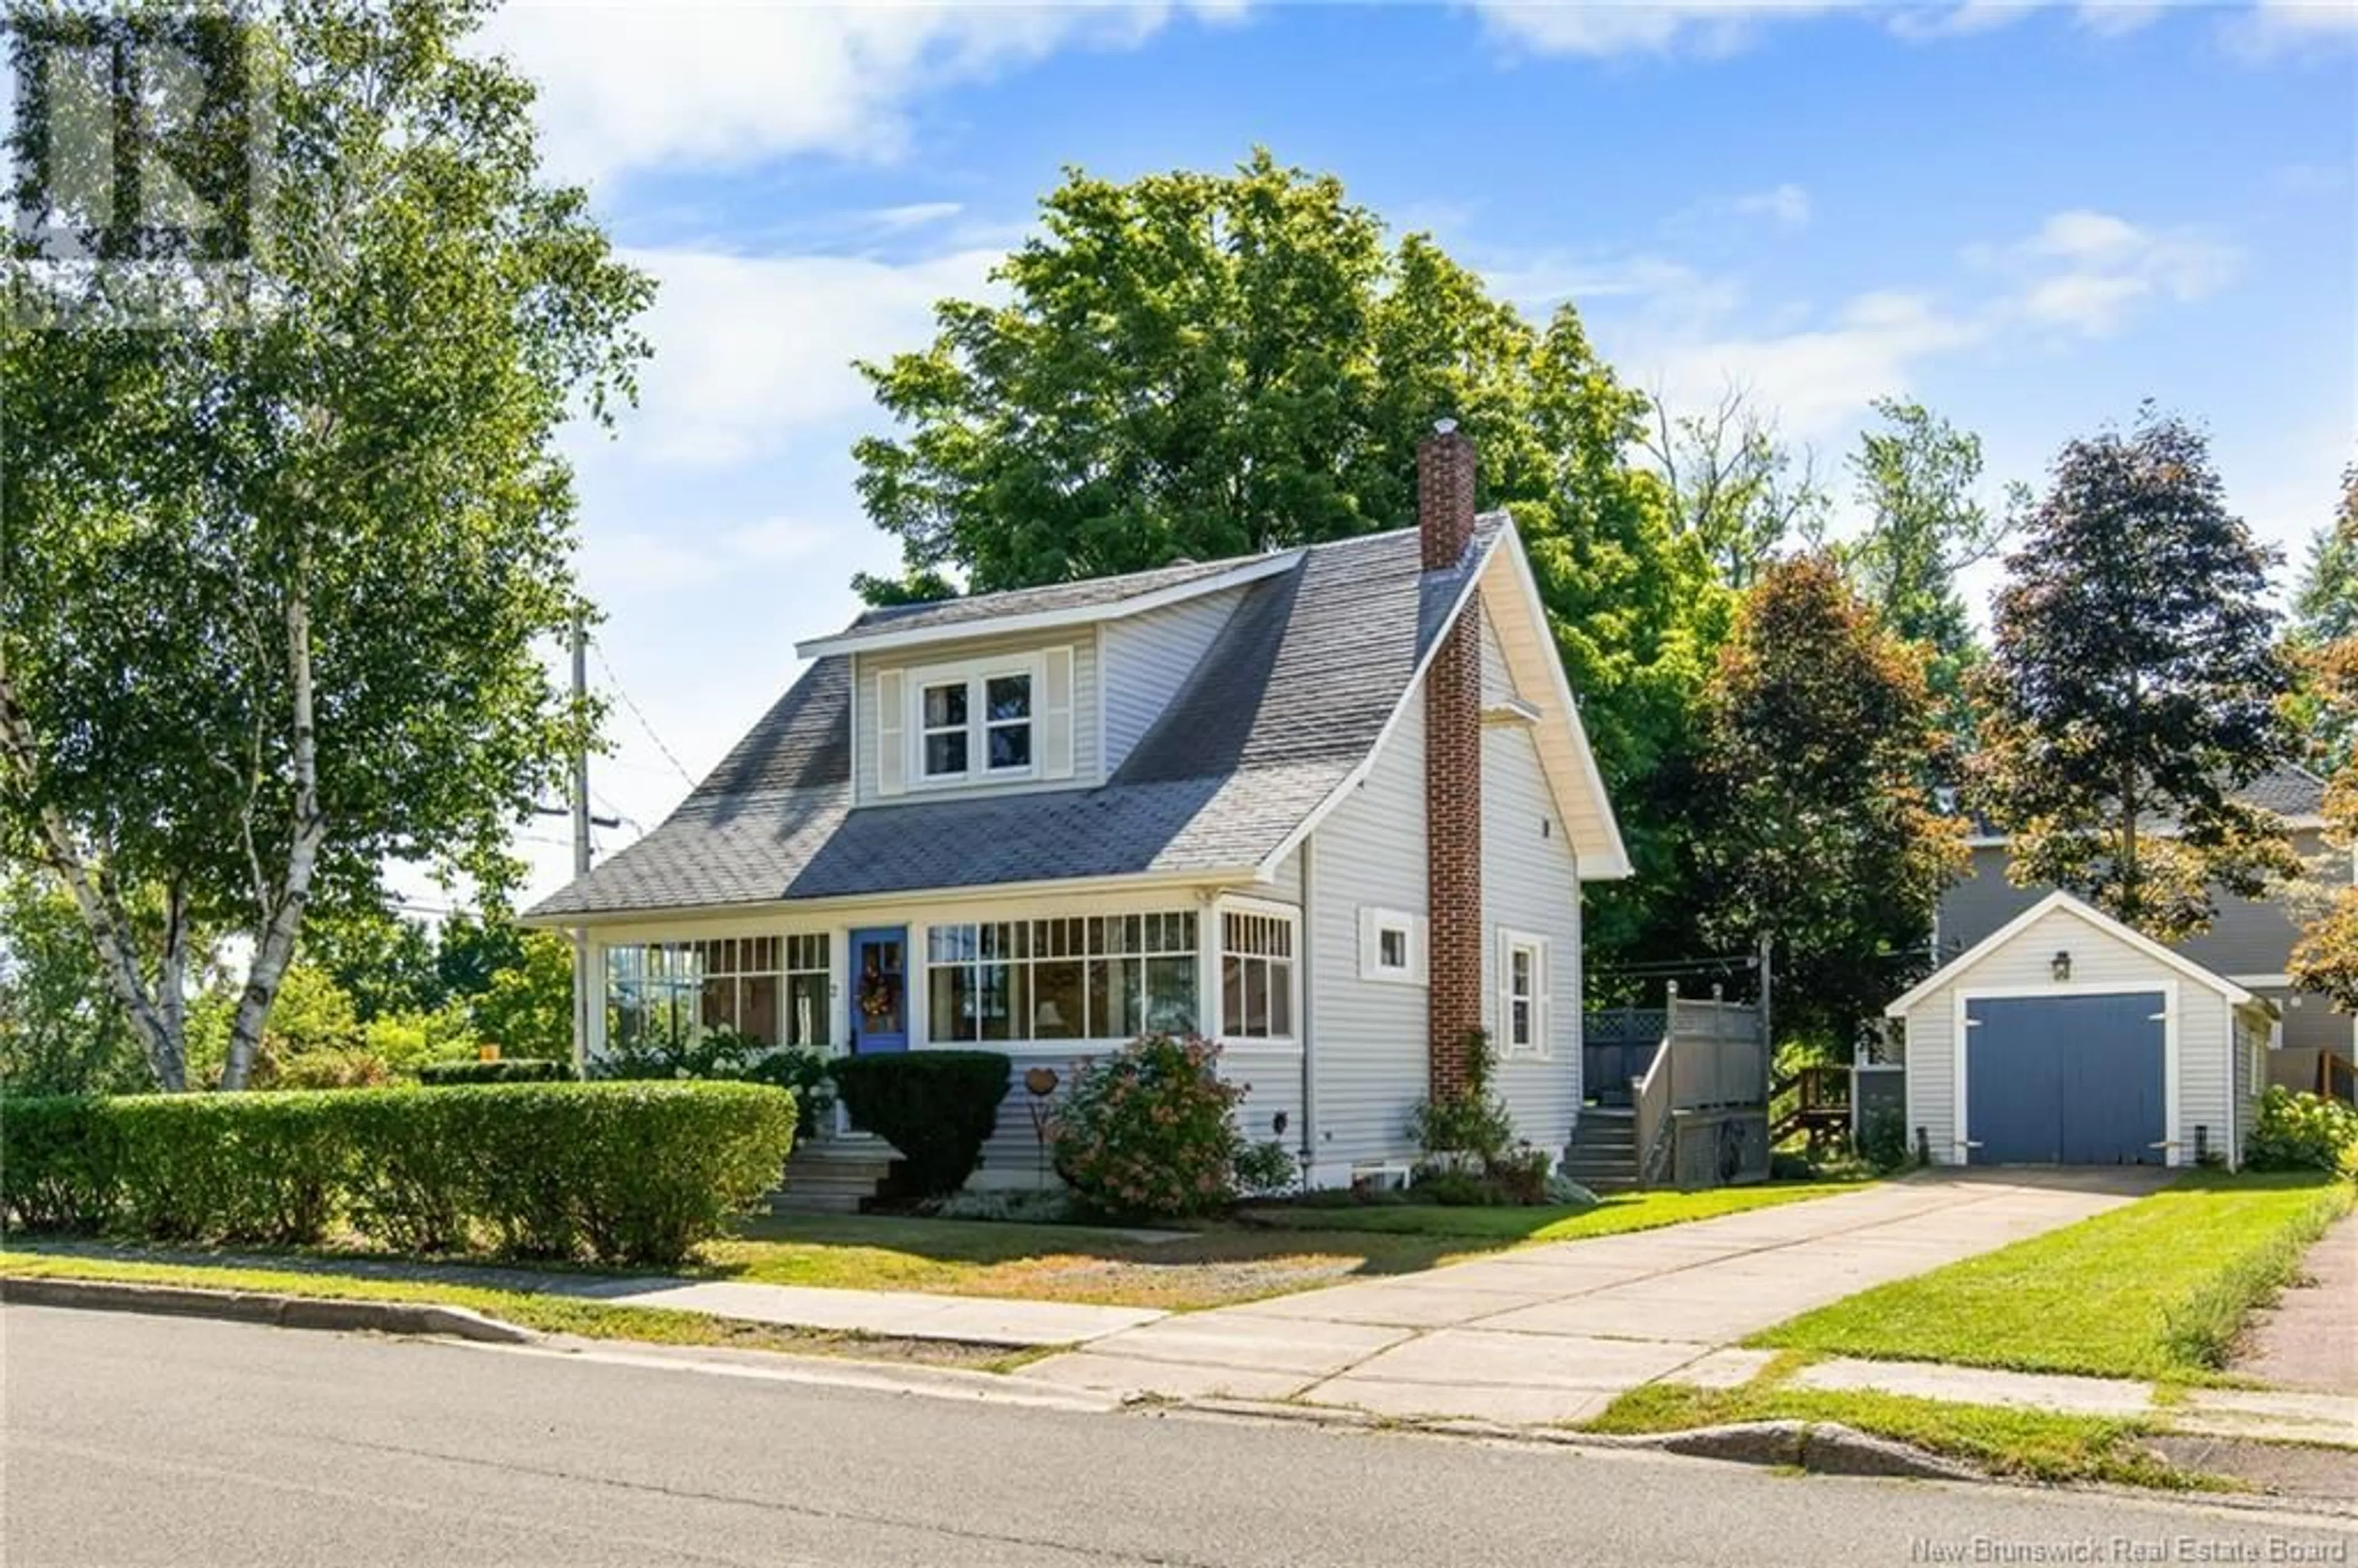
x=2066 y=1080
x=880 y=989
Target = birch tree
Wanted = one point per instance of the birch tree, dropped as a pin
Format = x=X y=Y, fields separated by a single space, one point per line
x=278 y=574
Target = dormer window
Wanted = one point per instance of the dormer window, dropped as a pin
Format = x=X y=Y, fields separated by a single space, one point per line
x=974 y=721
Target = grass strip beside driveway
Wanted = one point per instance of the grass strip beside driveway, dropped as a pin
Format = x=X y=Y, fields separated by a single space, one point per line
x=547 y=1313
x=1614 y=1214
x=2022 y=1444
x=2156 y=1290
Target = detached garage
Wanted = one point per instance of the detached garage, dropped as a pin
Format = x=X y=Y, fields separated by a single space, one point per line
x=2065 y=1038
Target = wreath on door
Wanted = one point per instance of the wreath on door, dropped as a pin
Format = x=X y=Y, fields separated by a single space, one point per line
x=876 y=998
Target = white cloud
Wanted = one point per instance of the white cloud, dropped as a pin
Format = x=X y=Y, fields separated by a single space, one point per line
x=2281 y=26
x=1787 y=206
x=1818 y=376
x=635 y=85
x=2087 y=271
x=1697 y=27
x=1716 y=28
x=749 y=348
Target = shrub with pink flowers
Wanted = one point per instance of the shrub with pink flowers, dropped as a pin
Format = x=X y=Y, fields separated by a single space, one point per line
x=1147 y=1131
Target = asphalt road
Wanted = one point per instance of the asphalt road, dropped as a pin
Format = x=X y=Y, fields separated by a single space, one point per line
x=140 y=1440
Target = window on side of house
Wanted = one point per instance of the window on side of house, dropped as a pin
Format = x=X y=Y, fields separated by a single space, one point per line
x=673 y=997
x=1522 y=994
x=974 y=721
x=1392 y=946
x=1101 y=977
x=1256 y=975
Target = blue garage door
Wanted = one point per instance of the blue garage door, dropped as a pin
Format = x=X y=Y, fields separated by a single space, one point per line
x=2065 y=1080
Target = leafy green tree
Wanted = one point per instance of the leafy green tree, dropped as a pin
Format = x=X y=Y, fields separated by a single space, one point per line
x=2325 y=601
x=61 y=1032
x=1825 y=839
x=2135 y=680
x=276 y=587
x=385 y=961
x=1917 y=478
x=527 y=1008
x=473 y=947
x=2324 y=623
x=1207 y=366
x=1734 y=486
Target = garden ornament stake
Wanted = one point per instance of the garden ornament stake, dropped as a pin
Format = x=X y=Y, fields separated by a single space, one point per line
x=1040 y=1083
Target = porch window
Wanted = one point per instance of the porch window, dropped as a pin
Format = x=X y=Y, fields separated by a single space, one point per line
x=1256 y=975
x=670 y=995
x=1101 y=977
x=974 y=720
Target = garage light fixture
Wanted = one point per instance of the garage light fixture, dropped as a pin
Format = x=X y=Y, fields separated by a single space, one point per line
x=2060 y=967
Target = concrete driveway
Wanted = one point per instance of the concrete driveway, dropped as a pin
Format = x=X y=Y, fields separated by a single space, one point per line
x=1555 y=1333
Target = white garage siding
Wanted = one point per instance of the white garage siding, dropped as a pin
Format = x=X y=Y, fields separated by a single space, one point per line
x=2204 y=1028
x=1366 y=1054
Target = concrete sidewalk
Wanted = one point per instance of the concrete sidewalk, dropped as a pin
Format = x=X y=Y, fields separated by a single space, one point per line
x=2309 y=1339
x=1556 y=1333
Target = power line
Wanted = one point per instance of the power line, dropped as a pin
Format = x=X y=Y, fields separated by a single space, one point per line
x=622 y=692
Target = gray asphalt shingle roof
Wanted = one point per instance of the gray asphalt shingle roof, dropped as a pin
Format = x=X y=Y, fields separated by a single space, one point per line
x=1291 y=695
x=1086 y=593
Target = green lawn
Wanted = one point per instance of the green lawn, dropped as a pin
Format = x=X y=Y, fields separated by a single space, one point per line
x=528 y=1309
x=2018 y=1444
x=1267 y=1252
x=1612 y=1215
x=1264 y=1252
x=2157 y=1289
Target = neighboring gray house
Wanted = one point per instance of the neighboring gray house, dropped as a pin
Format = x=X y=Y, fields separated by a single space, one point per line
x=1331 y=807
x=2250 y=942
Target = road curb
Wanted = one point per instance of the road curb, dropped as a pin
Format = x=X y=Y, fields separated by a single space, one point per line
x=1826 y=1448
x=335 y=1313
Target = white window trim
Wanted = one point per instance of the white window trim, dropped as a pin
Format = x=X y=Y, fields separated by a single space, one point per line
x=1543 y=1046
x=1373 y=922
x=1215 y=944
x=974 y=674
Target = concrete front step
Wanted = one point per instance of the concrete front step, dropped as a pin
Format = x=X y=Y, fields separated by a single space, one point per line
x=832 y=1178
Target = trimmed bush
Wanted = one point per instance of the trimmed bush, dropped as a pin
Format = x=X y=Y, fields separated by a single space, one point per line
x=2303 y=1132
x=505 y=1070
x=938 y=1108
x=630 y=1173
x=59 y=1158
x=1148 y=1130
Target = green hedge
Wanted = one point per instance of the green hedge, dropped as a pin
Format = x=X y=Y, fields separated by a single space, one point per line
x=506 y=1070
x=628 y=1172
x=935 y=1107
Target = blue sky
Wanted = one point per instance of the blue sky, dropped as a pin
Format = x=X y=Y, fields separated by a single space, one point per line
x=2028 y=217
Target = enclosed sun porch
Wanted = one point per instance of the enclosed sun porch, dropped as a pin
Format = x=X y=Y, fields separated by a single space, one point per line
x=1050 y=982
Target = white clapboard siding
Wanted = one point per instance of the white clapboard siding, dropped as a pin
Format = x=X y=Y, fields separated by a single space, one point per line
x=1529 y=884
x=1368 y=1050
x=1149 y=657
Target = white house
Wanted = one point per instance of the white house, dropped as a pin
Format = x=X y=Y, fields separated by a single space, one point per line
x=2065 y=1037
x=1330 y=805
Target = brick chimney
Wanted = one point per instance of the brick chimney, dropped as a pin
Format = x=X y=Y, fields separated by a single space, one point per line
x=1453 y=769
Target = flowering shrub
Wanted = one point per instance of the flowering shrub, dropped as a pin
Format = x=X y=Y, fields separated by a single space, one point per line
x=1148 y=1132
x=2303 y=1131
